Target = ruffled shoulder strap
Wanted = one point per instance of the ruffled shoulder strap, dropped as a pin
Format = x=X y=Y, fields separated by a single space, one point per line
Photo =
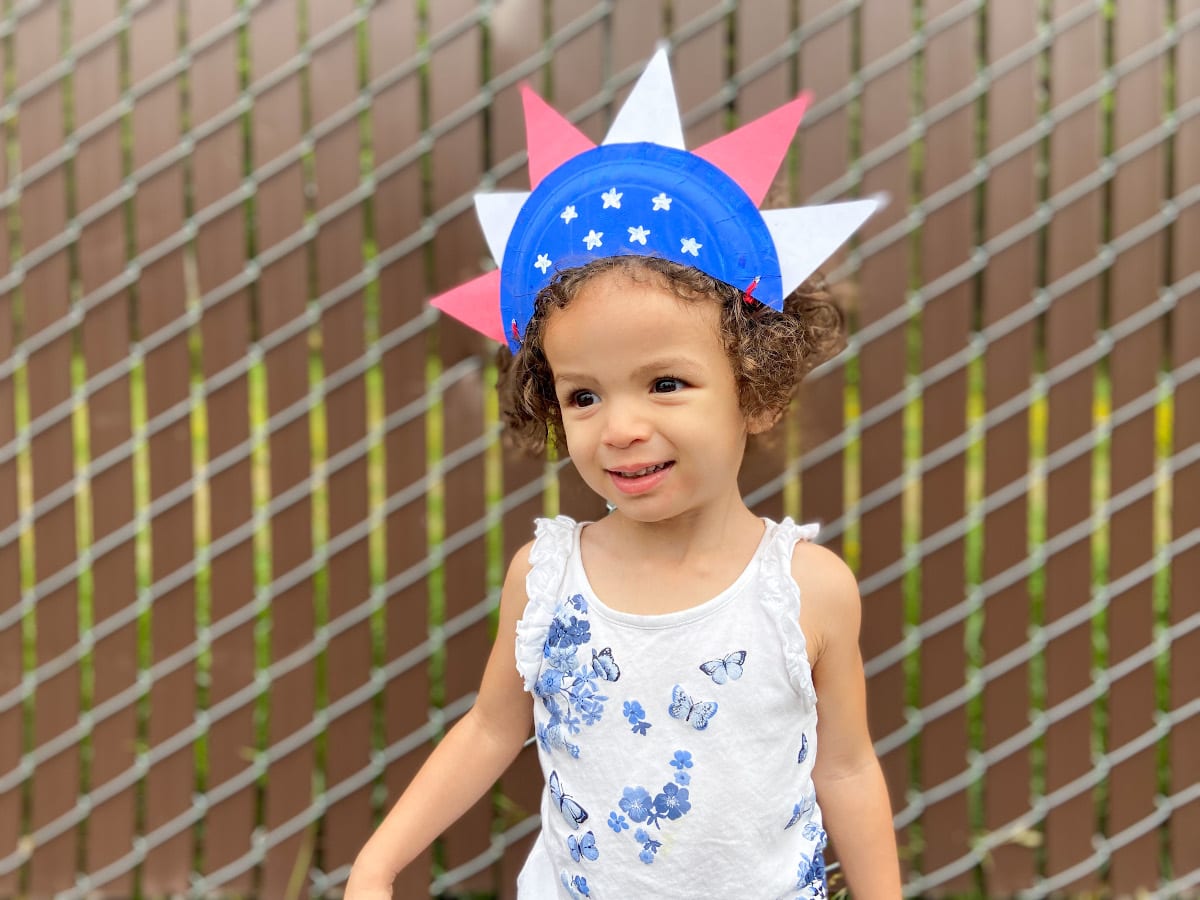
x=782 y=595
x=553 y=540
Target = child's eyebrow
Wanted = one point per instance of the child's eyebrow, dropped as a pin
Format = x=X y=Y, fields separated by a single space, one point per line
x=666 y=364
x=571 y=378
x=671 y=365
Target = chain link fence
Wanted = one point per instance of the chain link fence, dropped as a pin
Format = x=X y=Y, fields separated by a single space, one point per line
x=254 y=507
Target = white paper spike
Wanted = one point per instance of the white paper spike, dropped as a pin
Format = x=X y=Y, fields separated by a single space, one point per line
x=497 y=214
x=651 y=112
x=806 y=236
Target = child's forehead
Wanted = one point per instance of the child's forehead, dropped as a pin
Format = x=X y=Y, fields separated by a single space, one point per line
x=619 y=303
x=633 y=323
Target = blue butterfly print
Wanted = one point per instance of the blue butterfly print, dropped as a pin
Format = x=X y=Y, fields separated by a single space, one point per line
x=803 y=755
x=696 y=713
x=577 y=887
x=575 y=814
x=604 y=665
x=802 y=809
x=725 y=670
x=585 y=847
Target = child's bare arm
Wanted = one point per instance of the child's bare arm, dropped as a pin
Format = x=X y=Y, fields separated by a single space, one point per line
x=849 y=781
x=463 y=766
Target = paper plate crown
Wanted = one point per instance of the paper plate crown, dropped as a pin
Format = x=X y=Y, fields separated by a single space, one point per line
x=640 y=192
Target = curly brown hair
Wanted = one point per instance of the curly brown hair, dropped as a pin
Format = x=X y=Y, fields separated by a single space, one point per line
x=770 y=351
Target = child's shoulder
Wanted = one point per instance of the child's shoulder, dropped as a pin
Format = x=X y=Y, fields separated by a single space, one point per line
x=829 y=597
x=521 y=563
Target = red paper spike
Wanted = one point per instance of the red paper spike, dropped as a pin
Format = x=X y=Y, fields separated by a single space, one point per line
x=551 y=139
x=752 y=154
x=476 y=304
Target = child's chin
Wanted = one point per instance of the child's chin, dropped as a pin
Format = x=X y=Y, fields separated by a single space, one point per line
x=644 y=513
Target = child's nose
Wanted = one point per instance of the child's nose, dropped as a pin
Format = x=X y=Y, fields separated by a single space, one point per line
x=625 y=424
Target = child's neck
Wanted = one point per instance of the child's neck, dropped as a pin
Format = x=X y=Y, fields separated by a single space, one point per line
x=660 y=567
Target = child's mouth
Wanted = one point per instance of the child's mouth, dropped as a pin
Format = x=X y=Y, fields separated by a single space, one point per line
x=636 y=481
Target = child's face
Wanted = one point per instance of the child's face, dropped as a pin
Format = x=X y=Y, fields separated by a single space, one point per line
x=643 y=381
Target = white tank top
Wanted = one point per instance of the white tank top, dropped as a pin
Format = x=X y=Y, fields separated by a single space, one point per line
x=678 y=749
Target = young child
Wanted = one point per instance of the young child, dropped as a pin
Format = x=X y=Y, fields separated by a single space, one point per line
x=669 y=656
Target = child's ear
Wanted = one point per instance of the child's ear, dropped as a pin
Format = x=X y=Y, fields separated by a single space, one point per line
x=763 y=420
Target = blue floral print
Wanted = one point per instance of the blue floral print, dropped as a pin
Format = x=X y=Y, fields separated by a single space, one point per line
x=566 y=633
x=673 y=802
x=636 y=803
x=633 y=711
x=815 y=833
x=682 y=760
x=649 y=846
x=570 y=689
x=810 y=876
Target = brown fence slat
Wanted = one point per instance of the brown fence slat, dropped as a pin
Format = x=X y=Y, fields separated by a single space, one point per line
x=45 y=295
x=634 y=27
x=217 y=169
x=283 y=291
x=1184 y=851
x=823 y=146
x=884 y=24
x=333 y=83
x=396 y=126
x=162 y=300
x=577 y=72
x=12 y=822
x=1137 y=193
x=759 y=30
x=101 y=254
x=1075 y=60
x=456 y=74
x=514 y=41
x=947 y=240
x=704 y=80
x=1008 y=284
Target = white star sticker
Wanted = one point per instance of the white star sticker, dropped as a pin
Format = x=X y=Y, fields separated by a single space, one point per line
x=592 y=239
x=638 y=234
x=612 y=198
x=568 y=214
x=689 y=245
x=662 y=201
x=543 y=262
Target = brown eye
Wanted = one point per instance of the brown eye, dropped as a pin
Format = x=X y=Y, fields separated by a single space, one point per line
x=583 y=399
x=667 y=385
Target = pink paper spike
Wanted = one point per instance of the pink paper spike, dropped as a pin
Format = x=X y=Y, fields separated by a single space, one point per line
x=476 y=304
x=551 y=139
x=752 y=154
